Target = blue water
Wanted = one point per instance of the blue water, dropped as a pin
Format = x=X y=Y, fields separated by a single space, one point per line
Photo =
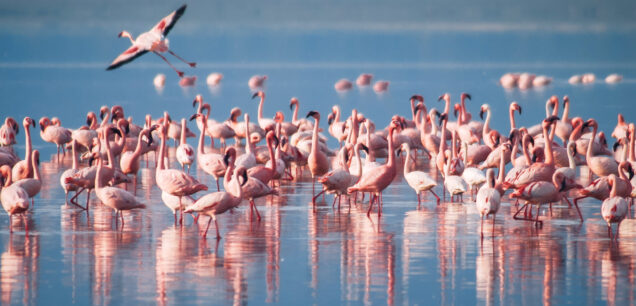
x=432 y=254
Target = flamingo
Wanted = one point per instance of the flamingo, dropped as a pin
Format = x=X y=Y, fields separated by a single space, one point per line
x=23 y=168
x=340 y=178
x=113 y=197
x=377 y=180
x=265 y=123
x=214 y=79
x=452 y=182
x=222 y=131
x=600 y=189
x=185 y=152
x=129 y=161
x=488 y=199
x=263 y=172
x=216 y=203
x=257 y=81
x=564 y=126
x=317 y=160
x=70 y=172
x=540 y=192
x=15 y=200
x=154 y=41
x=211 y=163
x=55 y=134
x=303 y=124
x=614 y=208
x=381 y=86
x=248 y=159
x=364 y=79
x=174 y=182
x=514 y=106
x=600 y=165
x=418 y=180
x=8 y=131
x=32 y=185
x=343 y=85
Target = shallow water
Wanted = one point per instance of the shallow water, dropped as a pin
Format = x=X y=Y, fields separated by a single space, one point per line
x=410 y=255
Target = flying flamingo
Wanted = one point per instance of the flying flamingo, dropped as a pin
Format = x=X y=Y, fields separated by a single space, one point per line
x=418 y=180
x=614 y=208
x=15 y=200
x=23 y=168
x=185 y=152
x=216 y=203
x=211 y=163
x=488 y=200
x=154 y=41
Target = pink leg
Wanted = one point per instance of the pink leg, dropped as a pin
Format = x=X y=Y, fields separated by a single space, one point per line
x=191 y=64
x=436 y=196
x=206 y=228
x=180 y=73
x=216 y=224
x=258 y=215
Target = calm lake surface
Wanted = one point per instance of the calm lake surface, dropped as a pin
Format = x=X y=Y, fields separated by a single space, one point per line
x=411 y=255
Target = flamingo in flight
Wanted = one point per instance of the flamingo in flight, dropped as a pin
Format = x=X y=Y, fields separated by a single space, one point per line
x=154 y=41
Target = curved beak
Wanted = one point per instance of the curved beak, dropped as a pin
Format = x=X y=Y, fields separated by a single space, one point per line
x=365 y=148
x=244 y=178
x=481 y=114
x=194 y=117
x=311 y=114
x=255 y=95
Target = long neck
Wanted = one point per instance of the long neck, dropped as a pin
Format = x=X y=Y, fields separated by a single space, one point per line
x=272 y=156
x=454 y=145
x=463 y=111
x=624 y=152
x=547 y=109
x=250 y=146
x=314 y=138
x=434 y=129
x=337 y=118
x=138 y=148
x=357 y=154
x=555 y=110
x=442 y=142
x=391 y=161
x=182 y=139
x=566 y=112
x=549 y=157
x=571 y=162
x=36 y=170
x=614 y=190
x=515 y=149
x=93 y=123
x=105 y=119
x=356 y=130
x=260 y=108
x=109 y=153
x=486 y=127
x=295 y=115
x=447 y=105
x=407 y=162
x=502 y=167
x=201 y=146
x=98 y=174
x=526 y=154
x=162 y=150
x=74 y=152
x=513 y=124
x=29 y=148
x=588 y=154
x=552 y=132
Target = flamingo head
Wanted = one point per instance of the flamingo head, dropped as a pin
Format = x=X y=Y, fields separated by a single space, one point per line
x=242 y=171
x=197 y=99
x=484 y=108
x=314 y=114
x=572 y=148
x=445 y=97
x=230 y=153
x=117 y=112
x=363 y=147
x=103 y=111
x=494 y=136
x=279 y=117
x=549 y=121
x=292 y=102
x=566 y=100
x=537 y=154
x=260 y=94
x=621 y=119
x=417 y=98
x=330 y=118
x=234 y=113
x=26 y=122
x=514 y=106
x=456 y=108
x=44 y=122
x=124 y=126
x=419 y=107
x=513 y=135
x=35 y=155
x=465 y=96
x=124 y=34
x=443 y=117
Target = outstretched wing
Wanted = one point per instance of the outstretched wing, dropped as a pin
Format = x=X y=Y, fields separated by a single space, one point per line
x=132 y=53
x=165 y=25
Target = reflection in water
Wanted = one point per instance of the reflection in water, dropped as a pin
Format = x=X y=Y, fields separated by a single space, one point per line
x=19 y=269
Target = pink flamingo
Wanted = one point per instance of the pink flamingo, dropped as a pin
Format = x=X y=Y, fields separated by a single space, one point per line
x=418 y=180
x=257 y=81
x=488 y=200
x=185 y=152
x=364 y=79
x=154 y=41
x=70 y=172
x=514 y=106
x=15 y=200
x=32 y=185
x=600 y=189
x=263 y=172
x=23 y=168
x=265 y=123
x=317 y=160
x=614 y=208
x=55 y=134
x=343 y=85
x=381 y=86
x=174 y=182
x=8 y=131
x=539 y=192
x=113 y=197
x=216 y=203
x=211 y=163
x=129 y=161
x=381 y=177
x=600 y=165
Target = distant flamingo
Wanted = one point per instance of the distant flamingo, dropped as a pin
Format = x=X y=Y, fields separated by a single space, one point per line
x=154 y=41
x=343 y=85
x=15 y=200
x=488 y=199
x=614 y=208
x=23 y=168
x=381 y=86
x=185 y=152
x=256 y=81
x=364 y=79
x=214 y=79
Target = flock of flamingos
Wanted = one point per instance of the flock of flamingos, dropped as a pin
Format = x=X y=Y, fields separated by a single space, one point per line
x=466 y=153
